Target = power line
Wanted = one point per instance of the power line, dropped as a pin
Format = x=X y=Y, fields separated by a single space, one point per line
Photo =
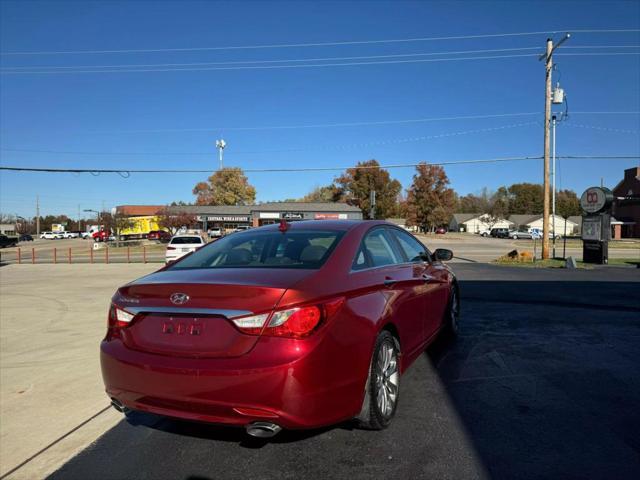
x=307 y=65
x=236 y=62
x=270 y=67
x=127 y=172
x=319 y=147
x=294 y=60
x=354 y=124
x=605 y=129
x=321 y=44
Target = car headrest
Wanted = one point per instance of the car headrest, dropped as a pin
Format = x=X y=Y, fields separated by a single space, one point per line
x=238 y=256
x=312 y=253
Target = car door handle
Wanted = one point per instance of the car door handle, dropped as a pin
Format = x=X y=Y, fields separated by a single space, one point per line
x=427 y=278
x=389 y=282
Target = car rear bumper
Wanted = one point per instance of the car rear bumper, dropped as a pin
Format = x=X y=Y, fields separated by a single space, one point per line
x=292 y=387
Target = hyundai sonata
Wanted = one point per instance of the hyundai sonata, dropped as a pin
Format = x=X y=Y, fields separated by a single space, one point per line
x=294 y=326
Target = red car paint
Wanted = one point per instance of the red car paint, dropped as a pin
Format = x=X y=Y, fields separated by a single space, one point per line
x=159 y=235
x=101 y=235
x=205 y=368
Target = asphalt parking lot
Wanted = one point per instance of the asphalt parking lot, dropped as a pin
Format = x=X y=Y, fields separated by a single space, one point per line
x=544 y=382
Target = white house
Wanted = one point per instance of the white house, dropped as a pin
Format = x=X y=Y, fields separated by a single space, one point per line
x=522 y=222
x=537 y=223
x=476 y=222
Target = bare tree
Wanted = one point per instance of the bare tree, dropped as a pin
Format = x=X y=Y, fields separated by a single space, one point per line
x=174 y=221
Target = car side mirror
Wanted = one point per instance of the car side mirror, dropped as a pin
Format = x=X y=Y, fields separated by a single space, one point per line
x=443 y=254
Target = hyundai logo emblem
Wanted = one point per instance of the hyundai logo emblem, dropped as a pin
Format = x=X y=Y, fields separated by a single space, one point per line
x=179 y=298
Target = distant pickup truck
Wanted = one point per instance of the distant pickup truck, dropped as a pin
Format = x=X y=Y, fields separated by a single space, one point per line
x=102 y=236
x=6 y=242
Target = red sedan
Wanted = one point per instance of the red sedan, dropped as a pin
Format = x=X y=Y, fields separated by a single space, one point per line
x=286 y=326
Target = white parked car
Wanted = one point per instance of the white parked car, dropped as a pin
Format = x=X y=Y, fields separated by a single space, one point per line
x=181 y=245
x=70 y=234
x=51 y=235
x=215 y=232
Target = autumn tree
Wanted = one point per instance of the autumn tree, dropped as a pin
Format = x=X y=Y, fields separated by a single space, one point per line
x=327 y=193
x=430 y=201
x=228 y=186
x=472 y=203
x=357 y=183
x=526 y=198
x=175 y=220
x=567 y=203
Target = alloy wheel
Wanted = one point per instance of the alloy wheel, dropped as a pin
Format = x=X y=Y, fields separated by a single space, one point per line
x=387 y=379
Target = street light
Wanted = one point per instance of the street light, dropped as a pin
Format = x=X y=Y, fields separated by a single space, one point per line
x=220 y=145
x=93 y=211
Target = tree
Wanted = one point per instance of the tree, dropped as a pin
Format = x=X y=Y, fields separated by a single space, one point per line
x=526 y=198
x=174 y=221
x=228 y=186
x=567 y=203
x=472 y=203
x=327 y=193
x=357 y=183
x=115 y=224
x=430 y=201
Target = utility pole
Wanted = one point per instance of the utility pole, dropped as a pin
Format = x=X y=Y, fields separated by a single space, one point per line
x=547 y=117
x=37 y=216
x=553 y=186
x=548 y=56
x=220 y=144
x=372 y=205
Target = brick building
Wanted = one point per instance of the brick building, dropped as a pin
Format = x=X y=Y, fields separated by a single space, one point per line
x=626 y=221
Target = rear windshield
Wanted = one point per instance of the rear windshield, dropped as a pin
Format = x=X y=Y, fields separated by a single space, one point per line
x=265 y=249
x=183 y=240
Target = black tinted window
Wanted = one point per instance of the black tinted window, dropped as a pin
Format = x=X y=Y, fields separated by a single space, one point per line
x=265 y=249
x=185 y=240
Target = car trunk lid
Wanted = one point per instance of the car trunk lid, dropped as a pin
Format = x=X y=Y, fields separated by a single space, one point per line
x=189 y=313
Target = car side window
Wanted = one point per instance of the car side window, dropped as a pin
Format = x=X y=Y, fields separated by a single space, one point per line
x=375 y=251
x=412 y=248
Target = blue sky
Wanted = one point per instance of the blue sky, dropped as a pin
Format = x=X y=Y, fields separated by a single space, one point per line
x=171 y=119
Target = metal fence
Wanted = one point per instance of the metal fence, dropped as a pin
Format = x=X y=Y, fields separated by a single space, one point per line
x=105 y=255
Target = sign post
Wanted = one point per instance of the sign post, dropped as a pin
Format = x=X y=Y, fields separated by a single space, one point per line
x=596 y=224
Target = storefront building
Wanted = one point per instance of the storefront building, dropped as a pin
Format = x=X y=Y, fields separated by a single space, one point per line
x=244 y=216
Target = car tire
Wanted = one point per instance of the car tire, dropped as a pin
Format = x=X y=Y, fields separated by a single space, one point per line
x=382 y=390
x=451 y=322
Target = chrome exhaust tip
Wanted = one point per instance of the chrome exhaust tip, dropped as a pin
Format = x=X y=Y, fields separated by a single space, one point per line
x=263 y=429
x=118 y=405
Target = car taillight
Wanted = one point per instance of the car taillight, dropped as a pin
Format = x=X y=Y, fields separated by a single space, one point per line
x=296 y=322
x=118 y=317
x=171 y=248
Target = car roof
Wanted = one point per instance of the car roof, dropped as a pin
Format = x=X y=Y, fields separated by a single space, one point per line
x=340 y=225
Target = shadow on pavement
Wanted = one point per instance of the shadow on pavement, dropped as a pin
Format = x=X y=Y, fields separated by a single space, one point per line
x=543 y=382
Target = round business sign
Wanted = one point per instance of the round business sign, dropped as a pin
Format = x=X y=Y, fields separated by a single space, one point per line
x=596 y=199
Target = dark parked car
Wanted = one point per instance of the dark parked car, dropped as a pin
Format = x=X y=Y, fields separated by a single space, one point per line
x=295 y=325
x=8 y=241
x=499 y=232
x=25 y=237
x=160 y=235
